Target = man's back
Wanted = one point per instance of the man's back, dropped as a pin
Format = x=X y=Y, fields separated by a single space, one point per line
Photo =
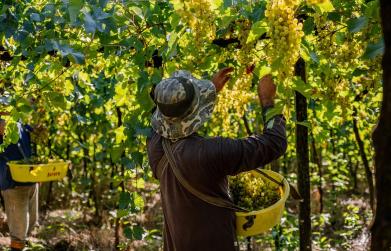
x=190 y=223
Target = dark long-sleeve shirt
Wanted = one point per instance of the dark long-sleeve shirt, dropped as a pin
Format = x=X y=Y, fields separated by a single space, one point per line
x=191 y=224
x=14 y=152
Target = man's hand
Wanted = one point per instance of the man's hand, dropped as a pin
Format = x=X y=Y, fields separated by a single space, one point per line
x=266 y=91
x=221 y=78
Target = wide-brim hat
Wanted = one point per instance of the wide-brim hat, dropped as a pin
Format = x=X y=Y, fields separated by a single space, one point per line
x=194 y=112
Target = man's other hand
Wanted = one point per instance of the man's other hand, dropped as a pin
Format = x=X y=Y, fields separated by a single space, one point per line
x=221 y=78
x=266 y=91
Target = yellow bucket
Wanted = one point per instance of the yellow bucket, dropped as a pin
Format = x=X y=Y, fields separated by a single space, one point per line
x=256 y=222
x=53 y=170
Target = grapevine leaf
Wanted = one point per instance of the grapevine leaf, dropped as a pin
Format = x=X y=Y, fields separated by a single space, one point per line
x=276 y=110
x=257 y=30
x=128 y=232
x=374 y=50
x=76 y=57
x=124 y=200
x=56 y=100
x=215 y=4
x=304 y=53
x=334 y=16
x=357 y=24
x=372 y=10
x=226 y=21
x=35 y=17
x=116 y=152
x=303 y=88
x=174 y=20
x=261 y=70
x=138 y=232
x=137 y=204
x=24 y=106
x=305 y=123
x=172 y=42
x=359 y=72
x=340 y=38
x=307 y=54
x=138 y=11
x=89 y=23
x=29 y=76
x=259 y=12
x=228 y=3
x=143 y=131
x=137 y=157
x=119 y=134
x=314 y=57
x=308 y=26
x=74 y=9
x=12 y=132
x=277 y=63
x=326 y=6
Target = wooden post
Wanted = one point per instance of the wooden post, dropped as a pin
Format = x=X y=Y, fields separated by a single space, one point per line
x=381 y=229
x=368 y=171
x=303 y=177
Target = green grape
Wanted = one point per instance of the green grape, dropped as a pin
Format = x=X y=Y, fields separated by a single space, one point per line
x=199 y=16
x=285 y=33
x=251 y=192
x=315 y=2
x=233 y=100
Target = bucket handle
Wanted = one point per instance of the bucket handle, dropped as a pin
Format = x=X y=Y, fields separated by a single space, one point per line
x=294 y=192
x=269 y=177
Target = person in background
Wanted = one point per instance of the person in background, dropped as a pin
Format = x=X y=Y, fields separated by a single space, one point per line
x=184 y=104
x=20 y=199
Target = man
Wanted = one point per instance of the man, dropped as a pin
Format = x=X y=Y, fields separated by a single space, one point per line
x=20 y=199
x=184 y=103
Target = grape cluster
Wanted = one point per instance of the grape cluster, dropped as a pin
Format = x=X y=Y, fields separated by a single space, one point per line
x=336 y=57
x=234 y=99
x=285 y=33
x=33 y=160
x=232 y=103
x=199 y=16
x=245 y=56
x=315 y=2
x=251 y=192
x=346 y=53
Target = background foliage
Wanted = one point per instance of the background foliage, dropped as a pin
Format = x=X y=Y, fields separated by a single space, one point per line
x=81 y=71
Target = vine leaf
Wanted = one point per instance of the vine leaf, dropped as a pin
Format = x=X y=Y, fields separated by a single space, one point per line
x=374 y=50
x=357 y=24
x=138 y=232
x=303 y=88
x=89 y=23
x=137 y=11
x=74 y=9
x=116 y=152
x=309 y=26
x=57 y=100
x=305 y=123
x=257 y=29
x=124 y=200
x=326 y=6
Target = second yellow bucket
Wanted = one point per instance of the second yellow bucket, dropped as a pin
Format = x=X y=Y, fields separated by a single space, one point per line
x=256 y=222
x=53 y=170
